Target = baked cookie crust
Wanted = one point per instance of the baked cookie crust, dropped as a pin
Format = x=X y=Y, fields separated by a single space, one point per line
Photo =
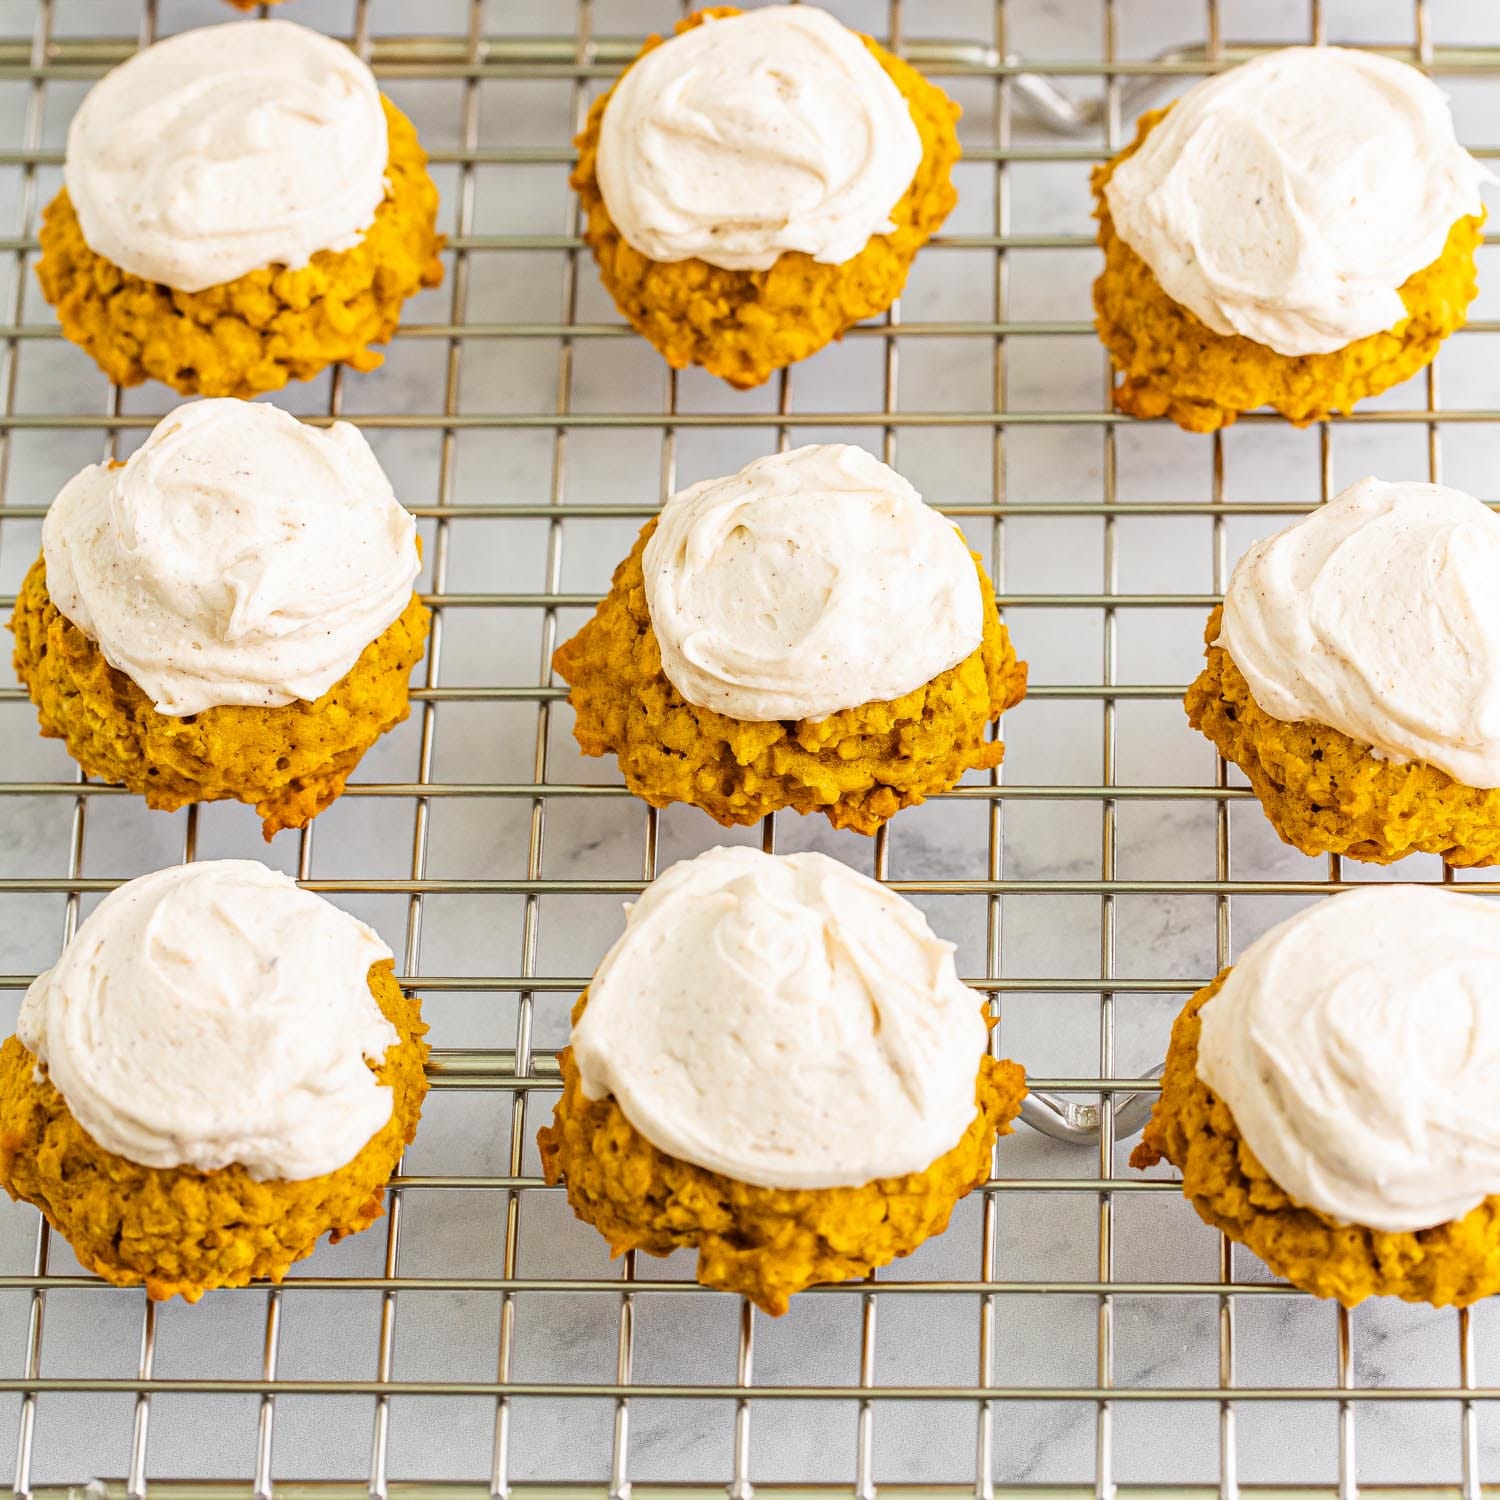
x=1325 y=793
x=290 y=762
x=765 y=1243
x=857 y=767
x=255 y=333
x=1450 y=1265
x=745 y=325
x=1175 y=366
x=182 y=1232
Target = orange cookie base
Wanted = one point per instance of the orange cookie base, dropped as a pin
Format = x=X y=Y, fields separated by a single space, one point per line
x=857 y=767
x=289 y=762
x=1450 y=1265
x=745 y=325
x=765 y=1243
x=265 y=328
x=182 y=1232
x=1175 y=366
x=1325 y=793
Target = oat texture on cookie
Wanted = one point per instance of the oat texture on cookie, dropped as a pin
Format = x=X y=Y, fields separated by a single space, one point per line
x=745 y=325
x=765 y=1243
x=258 y=332
x=857 y=767
x=1451 y=1264
x=1173 y=365
x=1325 y=793
x=289 y=762
x=181 y=1232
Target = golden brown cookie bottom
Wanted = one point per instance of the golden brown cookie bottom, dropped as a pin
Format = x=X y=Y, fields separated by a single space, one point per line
x=1325 y=793
x=290 y=762
x=1450 y=1265
x=1175 y=366
x=857 y=767
x=182 y=1232
x=745 y=325
x=267 y=327
x=765 y=1243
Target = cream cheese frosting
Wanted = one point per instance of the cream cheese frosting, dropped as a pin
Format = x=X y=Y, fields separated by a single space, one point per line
x=809 y=582
x=237 y=557
x=225 y=149
x=1357 y=1046
x=1289 y=198
x=756 y=134
x=783 y=1021
x=1378 y=615
x=214 y=1013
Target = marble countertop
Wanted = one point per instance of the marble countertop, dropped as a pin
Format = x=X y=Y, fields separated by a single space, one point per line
x=1043 y=1340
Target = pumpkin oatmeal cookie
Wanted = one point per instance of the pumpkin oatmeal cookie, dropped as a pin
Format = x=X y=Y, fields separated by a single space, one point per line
x=267 y=327
x=241 y=207
x=180 y=1232
x=858 y=767
x=744 y=324
x=237 y=1165
x=1325 y=793
x=1450 y=1264
x=1174 y=366
x=1349 y=675
x=289 y=762
x=227 y=614
x=776 y=1065
x=1297 y=232
x=768 y=1244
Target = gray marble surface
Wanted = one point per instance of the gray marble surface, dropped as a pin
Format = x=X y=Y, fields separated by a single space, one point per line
x=1040 y=1340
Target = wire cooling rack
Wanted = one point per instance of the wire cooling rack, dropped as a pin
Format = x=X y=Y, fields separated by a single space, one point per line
x=1077 y=1331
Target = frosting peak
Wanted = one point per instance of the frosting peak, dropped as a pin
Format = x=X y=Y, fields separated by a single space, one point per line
x=1377 y=615
x=1357 y=1046
x=809 y=582
x=222 y=150
x=784 y=1021
x=751 y=135
x=214 y=1013
x=1288 y=199
x=237 y=557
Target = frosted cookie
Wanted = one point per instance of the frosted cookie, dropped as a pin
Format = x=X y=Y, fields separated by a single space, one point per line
x=241 y=207
x=1298 y=232
x=219 y=1070
x=807 y=633
x=1331 y=1099
x=758 y=183
x=229 y=613
x=1351 y=675
x=778 y=1066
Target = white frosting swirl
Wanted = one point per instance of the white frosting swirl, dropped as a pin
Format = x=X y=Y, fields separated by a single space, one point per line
x=1289 y=198
x=1378 y=615
x=809 y=582
x=222 y=150
x=1358 y=1049
x=752 y=135
x=214 y=1013
x=784 y=1021
x=238 y=557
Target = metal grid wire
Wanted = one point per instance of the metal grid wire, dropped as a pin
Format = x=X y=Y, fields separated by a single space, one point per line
x=983 y=1411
